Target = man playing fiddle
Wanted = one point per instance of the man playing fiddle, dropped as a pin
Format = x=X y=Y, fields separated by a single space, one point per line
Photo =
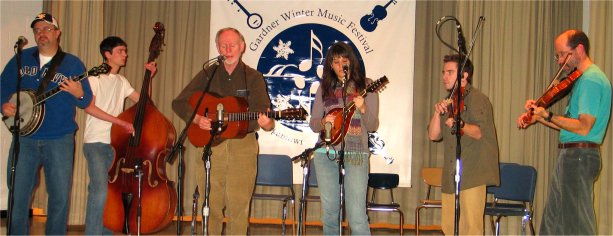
x=479 y=148
x=569 y=208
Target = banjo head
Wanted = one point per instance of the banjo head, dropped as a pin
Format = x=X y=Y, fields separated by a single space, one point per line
x=31 y=116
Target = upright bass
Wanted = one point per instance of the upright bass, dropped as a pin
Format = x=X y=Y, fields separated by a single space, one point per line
x=139 y=168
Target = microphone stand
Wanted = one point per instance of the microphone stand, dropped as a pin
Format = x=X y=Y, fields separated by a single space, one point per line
x=305 y=163
x=341 y=159
x=194 y=210
x=138 y=173
x=179 y=147
x=206 y=157
x=16 y=145
x=457 y=119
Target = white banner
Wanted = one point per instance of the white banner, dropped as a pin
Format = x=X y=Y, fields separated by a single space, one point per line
x=287 y=41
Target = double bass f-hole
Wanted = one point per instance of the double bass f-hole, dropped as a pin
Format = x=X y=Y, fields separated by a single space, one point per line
x=131 y=170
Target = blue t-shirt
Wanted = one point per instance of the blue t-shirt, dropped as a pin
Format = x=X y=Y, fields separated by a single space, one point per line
x=59 y=112
x=591 y=94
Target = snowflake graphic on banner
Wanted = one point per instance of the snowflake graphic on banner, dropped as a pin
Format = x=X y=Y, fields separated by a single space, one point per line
x=283 y=49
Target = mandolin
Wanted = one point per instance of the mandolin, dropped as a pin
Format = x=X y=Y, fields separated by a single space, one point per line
x=336 y=135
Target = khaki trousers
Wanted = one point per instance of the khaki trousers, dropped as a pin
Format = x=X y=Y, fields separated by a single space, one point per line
x=233 y=172
x=472 y=206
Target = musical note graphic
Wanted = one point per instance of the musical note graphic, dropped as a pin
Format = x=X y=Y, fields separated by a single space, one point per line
x=316 y=44
x=278 y=71
x=254 y=20
x=369 y=22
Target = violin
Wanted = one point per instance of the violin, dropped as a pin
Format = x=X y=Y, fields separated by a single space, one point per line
x=455 y=106
x=555 y=93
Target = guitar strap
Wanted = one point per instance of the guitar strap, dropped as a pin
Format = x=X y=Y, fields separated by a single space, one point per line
x=55 y=62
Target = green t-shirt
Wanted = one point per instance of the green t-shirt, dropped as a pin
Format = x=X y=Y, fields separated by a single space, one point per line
x=591 y=94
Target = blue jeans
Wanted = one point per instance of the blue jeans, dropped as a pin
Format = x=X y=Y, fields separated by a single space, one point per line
x=99 y=159
x=356 y=186
x=570 y=206
x=56 y=156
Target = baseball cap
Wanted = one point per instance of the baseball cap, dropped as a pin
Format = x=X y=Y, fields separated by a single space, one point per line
x=45 y=17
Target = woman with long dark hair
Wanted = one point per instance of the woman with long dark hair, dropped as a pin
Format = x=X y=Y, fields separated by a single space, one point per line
x=330 y=95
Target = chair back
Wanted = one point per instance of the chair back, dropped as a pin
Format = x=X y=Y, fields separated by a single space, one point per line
x=383 y=180
x=517 y=183
x=492 y=189
x=433 y=177
x=274 y=170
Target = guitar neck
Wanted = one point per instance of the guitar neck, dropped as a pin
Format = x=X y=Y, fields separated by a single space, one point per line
x=239 y=116
x=43 y=97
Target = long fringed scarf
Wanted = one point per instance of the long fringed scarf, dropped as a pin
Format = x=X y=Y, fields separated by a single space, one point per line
x=354 y=153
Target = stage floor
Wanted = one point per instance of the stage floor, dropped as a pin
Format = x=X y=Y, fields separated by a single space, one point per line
x=37 y=227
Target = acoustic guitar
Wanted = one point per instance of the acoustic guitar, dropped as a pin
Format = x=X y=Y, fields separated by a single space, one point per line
x=235 y=117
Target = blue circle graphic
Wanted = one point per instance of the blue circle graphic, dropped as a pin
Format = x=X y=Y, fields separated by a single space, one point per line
x=290 y=64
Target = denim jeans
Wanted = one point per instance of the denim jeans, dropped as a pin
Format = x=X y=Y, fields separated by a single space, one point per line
x=570 y=205
x=356 y=186
x=99 y=159
x=56 y=156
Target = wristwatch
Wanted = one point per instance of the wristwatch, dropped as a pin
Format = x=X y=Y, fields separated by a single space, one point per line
x=548 y=119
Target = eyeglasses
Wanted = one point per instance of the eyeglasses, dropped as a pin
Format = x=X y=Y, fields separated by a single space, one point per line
x=45 y=29
x=564 y=55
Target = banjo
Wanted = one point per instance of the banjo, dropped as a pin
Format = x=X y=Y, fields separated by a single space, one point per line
x=32 y=107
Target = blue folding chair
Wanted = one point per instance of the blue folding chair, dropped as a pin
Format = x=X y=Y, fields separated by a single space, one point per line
x=385 y=181
x=276 y=171
x=517 y=183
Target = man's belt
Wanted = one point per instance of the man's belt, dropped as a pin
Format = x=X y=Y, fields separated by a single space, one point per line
x=578 y=145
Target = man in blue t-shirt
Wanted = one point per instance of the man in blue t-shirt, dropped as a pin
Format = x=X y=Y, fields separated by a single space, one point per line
x=52 y=144
x=570 y=207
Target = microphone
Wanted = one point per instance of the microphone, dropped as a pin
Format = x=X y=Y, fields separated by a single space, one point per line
x=461 y=39
x=328 y=135
x=220 y=58
x=21 y=41
x=219 y=117
x=216 y=60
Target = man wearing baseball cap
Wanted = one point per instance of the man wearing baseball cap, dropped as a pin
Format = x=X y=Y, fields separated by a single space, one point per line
x=51 y=146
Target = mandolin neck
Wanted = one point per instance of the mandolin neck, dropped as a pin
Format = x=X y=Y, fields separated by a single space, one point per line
x=351 y=105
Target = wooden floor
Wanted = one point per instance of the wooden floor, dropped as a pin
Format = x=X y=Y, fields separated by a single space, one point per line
x=37 y=227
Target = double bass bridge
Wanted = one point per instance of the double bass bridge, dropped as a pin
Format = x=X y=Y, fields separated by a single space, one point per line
x=131 y=170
